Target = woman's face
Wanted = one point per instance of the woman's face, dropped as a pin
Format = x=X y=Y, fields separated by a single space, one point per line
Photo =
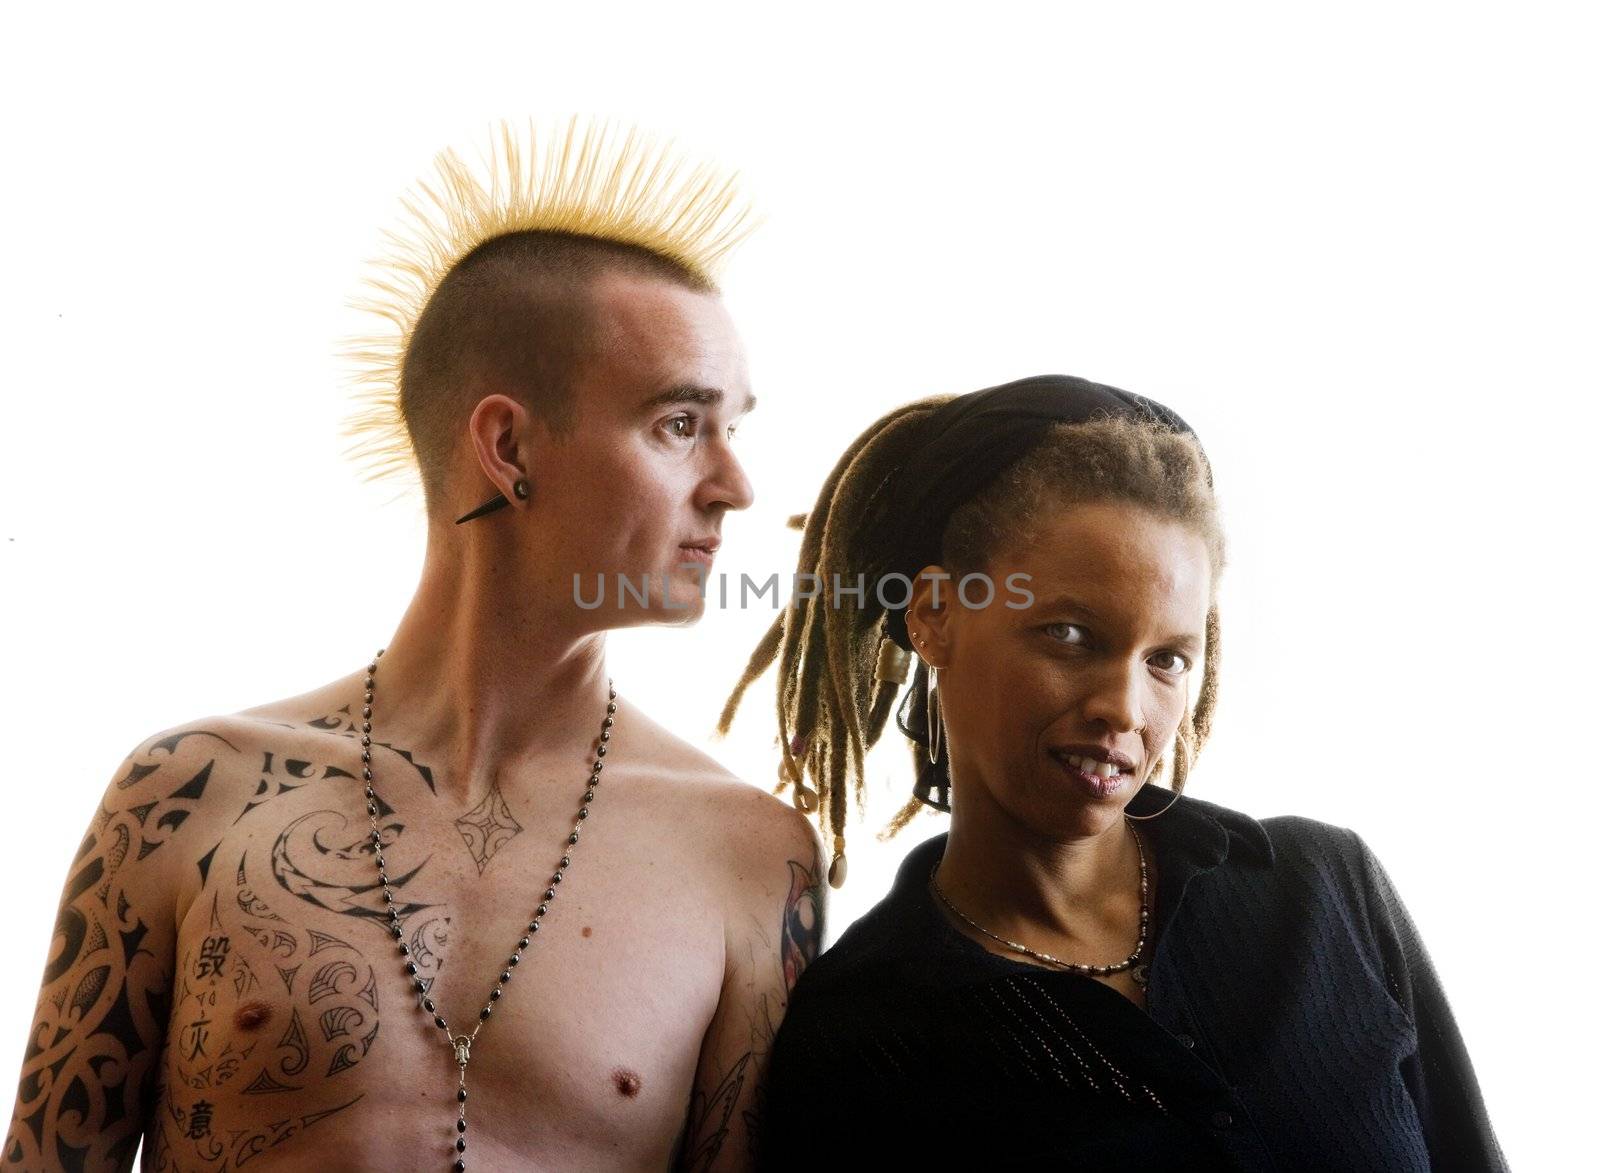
x=1055 y=711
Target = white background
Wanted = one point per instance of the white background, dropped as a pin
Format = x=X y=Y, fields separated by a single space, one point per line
x=1354 y=245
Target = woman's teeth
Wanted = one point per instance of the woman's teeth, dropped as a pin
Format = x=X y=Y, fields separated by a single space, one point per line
x=1091 y=765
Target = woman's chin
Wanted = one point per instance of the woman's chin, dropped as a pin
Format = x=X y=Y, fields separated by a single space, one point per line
x=1064 y=816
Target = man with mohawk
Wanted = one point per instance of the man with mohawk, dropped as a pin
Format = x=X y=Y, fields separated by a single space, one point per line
x=466 y=904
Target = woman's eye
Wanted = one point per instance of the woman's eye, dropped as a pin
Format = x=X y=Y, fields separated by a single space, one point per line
x=1064 y=633
x=1178 y=662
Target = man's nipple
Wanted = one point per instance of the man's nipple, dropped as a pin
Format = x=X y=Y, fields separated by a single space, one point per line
x=252 y=1016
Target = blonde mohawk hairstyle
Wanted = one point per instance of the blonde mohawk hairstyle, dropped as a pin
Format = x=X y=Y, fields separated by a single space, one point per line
x=585 y=180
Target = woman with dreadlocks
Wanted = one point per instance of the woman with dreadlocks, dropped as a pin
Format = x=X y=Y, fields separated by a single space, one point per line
x=1091 y=968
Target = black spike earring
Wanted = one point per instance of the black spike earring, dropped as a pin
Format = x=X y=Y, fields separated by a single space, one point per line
x=498 y=501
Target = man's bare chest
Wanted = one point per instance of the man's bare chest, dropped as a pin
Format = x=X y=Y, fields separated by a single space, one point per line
x=295 y=1011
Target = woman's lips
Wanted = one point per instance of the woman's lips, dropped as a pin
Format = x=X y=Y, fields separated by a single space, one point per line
x=1092 y=784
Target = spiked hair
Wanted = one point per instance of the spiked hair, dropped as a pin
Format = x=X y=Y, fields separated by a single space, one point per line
x=585 y=182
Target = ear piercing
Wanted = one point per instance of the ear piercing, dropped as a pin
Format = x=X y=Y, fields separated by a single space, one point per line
x=519 y=488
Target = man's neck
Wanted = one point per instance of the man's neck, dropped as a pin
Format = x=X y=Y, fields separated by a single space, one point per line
x=481 y=677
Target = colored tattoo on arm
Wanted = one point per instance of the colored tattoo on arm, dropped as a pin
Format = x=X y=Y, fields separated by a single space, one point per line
x=800 y=940
x=801 y=934
x=735 y=1097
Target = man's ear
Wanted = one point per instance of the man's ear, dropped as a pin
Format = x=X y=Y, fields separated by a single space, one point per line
x=928 y=615
x=499 y=431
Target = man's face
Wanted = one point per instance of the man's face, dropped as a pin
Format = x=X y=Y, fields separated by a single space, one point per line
x=640 y=485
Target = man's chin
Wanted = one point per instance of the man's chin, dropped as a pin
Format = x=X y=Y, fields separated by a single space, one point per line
x=684 y=591
x=681 y=612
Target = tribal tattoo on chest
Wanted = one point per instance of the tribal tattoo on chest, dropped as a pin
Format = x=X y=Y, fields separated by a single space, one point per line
x=268 y=997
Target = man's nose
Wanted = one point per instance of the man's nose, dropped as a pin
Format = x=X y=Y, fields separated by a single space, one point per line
x=727 y=485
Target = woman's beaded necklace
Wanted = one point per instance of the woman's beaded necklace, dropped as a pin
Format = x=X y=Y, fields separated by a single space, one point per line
x=1141 y=973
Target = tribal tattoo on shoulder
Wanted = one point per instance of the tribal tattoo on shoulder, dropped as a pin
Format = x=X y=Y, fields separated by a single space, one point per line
x=343 y=722
x=258 y=1006
x=85 y=1089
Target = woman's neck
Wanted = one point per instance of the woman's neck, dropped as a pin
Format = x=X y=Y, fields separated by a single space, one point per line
x=1035 y=888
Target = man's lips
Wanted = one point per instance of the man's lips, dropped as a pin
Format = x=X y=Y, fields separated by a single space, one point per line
x=701 y=551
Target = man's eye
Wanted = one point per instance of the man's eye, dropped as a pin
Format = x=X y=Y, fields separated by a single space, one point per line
x=681 y=426
x=1179 y=662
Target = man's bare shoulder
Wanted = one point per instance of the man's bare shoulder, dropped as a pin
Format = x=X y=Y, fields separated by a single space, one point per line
x=332 y=708
x=751 y=828
x=190 y=764
x=187 y=783
x=225 y=749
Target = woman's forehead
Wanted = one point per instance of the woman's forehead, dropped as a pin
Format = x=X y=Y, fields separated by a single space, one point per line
x=1116 y=560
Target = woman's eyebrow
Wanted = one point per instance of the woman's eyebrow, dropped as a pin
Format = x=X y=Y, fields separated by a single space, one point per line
x=1188 y=641
x=1068 y=603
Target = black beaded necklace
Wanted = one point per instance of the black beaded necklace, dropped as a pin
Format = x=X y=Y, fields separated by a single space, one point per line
x=462 y=1044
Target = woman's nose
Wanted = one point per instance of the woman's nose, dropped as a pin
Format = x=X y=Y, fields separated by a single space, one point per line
x=1116 y=698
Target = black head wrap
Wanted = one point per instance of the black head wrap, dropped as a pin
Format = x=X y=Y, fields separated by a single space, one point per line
x=969 y=442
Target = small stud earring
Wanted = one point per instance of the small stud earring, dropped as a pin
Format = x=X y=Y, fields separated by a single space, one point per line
x=520 y=488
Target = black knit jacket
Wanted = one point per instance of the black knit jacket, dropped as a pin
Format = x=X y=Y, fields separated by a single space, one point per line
x=1294 y=1023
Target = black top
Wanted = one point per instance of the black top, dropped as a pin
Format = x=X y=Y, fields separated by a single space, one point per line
x=1293 y=1022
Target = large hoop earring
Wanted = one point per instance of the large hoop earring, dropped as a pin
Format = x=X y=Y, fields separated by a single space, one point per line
x=933 y=714
x=1177 y=794
x=1158 y=814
